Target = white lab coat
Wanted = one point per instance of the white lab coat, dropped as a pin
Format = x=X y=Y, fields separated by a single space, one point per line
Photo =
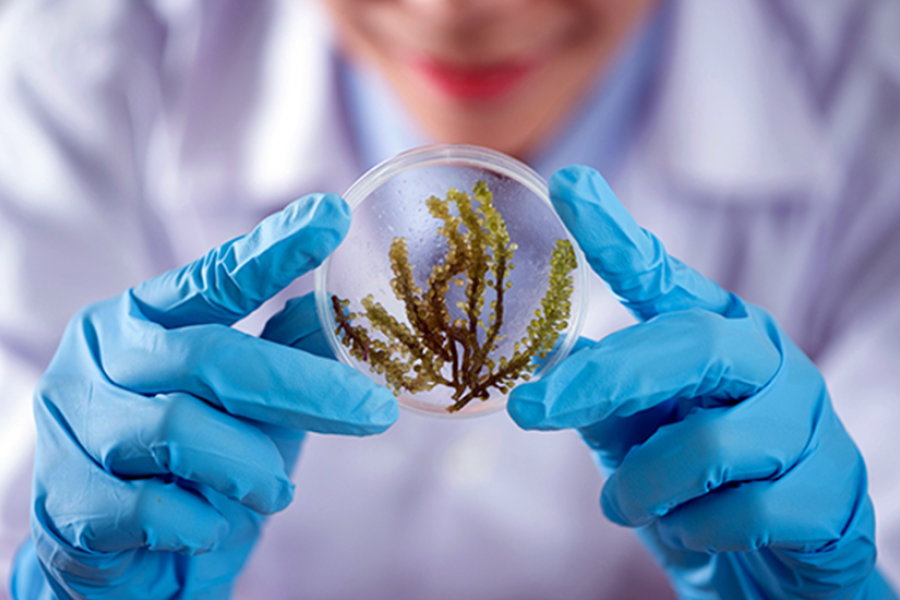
x=135 y=135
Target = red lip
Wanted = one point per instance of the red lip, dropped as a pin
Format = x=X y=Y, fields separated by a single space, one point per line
x=474 y=83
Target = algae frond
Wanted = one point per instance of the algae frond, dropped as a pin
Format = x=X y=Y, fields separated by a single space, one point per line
x=430 y=347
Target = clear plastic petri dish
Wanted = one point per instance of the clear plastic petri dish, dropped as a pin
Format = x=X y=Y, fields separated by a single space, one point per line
x=389 y=204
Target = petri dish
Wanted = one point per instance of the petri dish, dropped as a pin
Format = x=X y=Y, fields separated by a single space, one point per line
x=389 y=202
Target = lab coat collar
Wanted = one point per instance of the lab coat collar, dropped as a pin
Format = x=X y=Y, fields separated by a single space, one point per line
x=732 y=122
x=735 y=125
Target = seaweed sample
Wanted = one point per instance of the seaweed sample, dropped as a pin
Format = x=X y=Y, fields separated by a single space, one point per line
x=432 y=347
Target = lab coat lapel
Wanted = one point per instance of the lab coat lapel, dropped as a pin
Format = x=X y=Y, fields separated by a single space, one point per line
x=735 y=125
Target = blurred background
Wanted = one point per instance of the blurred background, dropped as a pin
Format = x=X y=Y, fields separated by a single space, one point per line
x=757 y=138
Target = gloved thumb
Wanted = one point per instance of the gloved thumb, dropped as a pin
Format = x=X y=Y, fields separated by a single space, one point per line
x=233 y=280
x=634 y=262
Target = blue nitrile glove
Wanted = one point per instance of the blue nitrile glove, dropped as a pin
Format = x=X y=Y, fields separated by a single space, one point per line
x=716 y=431
x=165 y=436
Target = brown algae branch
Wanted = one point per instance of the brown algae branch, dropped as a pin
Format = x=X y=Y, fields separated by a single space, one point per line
x=479 y=257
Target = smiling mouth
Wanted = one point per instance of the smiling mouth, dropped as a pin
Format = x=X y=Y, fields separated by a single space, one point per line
x=464 y=82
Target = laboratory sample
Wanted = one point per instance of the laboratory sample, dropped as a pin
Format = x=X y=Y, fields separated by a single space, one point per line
x=456 y=282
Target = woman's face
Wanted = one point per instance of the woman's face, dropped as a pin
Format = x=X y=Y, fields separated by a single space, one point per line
x=497 y=73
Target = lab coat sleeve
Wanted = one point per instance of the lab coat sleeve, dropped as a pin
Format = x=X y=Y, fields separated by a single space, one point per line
x=74 y=104
x=861 y=360
x=862 y=373
x=856 y=313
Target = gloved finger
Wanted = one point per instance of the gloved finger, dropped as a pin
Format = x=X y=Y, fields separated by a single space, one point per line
x=706 y=450
x=581 y=343
x=613 y=438
x=92 y=510
x=170 y=434
x=114 y=515
x=682 y=356
x=806 y=510
x=287 y=441
x=178 y=434
x=297 y=325
x=247 y=377
x=233 y=280
x=630 y=259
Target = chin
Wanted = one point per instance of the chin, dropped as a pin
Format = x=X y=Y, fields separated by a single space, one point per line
x=504 y=122
x=479 y=129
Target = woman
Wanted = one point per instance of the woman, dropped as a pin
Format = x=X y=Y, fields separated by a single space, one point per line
x=755 y=139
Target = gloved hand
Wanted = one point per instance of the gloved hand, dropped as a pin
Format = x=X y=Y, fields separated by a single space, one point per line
x=716 y=431
x=164 y=436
